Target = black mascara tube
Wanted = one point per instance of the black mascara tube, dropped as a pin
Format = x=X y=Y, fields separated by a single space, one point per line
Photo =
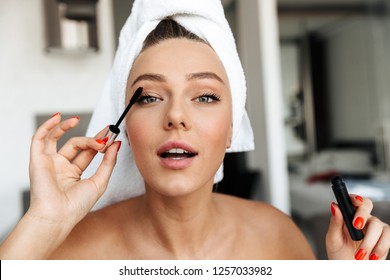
x=347 y=209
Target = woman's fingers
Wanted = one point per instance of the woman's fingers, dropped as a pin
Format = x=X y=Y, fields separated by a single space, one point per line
x=337 y=228
x=47 y=135
x=78 y=150
x=38 y=140
x=103 y=173
x=76 y=146
x=363 y=210
x=81 y=150
x=101 y=133
x=375 y=242
x=89 y=190
x=381 y=249
x=335 y=237
x=57 y=132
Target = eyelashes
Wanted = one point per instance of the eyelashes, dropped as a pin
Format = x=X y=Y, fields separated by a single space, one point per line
x=147 y=99
x=208 y=98
x=211 y=97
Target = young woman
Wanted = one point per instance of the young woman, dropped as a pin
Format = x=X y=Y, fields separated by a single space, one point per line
x=178 y=131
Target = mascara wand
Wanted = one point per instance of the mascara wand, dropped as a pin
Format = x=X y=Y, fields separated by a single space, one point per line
x=114 y=130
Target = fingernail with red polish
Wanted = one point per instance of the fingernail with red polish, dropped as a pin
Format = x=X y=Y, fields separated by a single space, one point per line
x=100 y=141
x=105 y=139
x=358 y=197
x=374 y=257
x=359 y=222
x=120 y=144
x=332 y=208
x=360 y=254
x=76 y=117
x=56 y=114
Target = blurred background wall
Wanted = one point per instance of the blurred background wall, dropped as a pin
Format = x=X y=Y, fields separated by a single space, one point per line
x=35 y=81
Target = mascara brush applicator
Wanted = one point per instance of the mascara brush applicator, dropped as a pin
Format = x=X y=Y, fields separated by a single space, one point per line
x=113 y=130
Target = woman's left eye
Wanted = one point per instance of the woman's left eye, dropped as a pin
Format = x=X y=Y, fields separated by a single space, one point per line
x=208 y=98
x=147 y=99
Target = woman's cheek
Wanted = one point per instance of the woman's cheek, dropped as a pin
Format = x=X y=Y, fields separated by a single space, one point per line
x=216 y=130
x=139 y=130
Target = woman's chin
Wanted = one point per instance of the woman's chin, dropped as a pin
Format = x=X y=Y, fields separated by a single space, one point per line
x=176 y=187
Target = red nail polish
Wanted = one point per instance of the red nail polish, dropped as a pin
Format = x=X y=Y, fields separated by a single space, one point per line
x=359 y=222
x=360 y=254
x=358 y=197
x=56 y=114
x=100 y=141
x=105 y=139
x=120 y=144
x=374 y=257
x=76 y=117
x=332 y=208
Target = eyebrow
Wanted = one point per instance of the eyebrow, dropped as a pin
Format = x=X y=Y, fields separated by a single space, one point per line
x=149 y=77
x=204 y=75
x=193 y=76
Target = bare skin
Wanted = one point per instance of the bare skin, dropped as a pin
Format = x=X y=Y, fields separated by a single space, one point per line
x=233 y=228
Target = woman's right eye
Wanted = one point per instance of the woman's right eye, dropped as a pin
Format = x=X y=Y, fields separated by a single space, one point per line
x=147 y=99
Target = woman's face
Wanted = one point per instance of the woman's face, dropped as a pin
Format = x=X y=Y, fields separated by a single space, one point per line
x=182 y=124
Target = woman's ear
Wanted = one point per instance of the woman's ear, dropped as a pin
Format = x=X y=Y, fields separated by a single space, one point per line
x=229 y=144
x=128 y=140
x=229 y=138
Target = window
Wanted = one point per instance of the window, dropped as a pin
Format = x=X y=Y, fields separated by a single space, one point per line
x=71 y=25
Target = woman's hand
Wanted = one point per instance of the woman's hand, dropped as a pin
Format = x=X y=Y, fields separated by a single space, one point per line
x=59 y=197
x=376 y=242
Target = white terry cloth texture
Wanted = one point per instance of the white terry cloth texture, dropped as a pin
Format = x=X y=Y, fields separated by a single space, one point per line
x=206 y=19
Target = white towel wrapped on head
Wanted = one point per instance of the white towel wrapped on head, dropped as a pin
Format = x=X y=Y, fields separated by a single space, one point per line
x=206 y=19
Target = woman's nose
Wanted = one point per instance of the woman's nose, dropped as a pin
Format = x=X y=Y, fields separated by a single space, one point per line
x=177 y=116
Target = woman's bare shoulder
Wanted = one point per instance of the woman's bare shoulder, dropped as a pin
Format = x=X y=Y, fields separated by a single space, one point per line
x=252 y=210
x=272 y=233
x=96 y=236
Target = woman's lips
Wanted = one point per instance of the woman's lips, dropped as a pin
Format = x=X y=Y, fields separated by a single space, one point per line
x=176 y=155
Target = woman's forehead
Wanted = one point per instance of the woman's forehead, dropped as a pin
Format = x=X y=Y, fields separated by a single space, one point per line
x=183 y=56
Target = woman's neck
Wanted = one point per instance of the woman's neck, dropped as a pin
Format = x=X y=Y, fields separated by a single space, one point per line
x=181 y=225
